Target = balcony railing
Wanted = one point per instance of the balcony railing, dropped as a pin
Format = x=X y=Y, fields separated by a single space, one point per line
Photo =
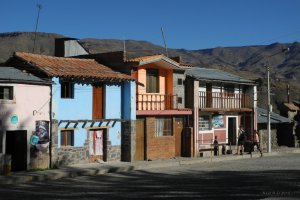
x=156 y=102
x=219 y=100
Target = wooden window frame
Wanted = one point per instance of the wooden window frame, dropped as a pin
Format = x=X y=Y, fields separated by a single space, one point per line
x=10 y=93
x=152 y=76
x=67 y=90
x=166 y=130
x=64 y=138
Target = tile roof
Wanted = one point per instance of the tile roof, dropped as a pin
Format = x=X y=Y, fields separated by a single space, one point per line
x=216 y=75
x=72 y=67
x=142 y=60
x=145 y=58
x=12 y=74
x=291 y=106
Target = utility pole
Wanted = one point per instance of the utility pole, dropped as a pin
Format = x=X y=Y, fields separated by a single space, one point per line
x=269 y=99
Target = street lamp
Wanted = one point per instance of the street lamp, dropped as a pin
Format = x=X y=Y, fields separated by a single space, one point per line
x=269 y=98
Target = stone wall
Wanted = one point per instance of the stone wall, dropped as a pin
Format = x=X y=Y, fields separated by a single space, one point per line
x=128 y=141
x=113 y=152
x=63 y=156
x=264 y=139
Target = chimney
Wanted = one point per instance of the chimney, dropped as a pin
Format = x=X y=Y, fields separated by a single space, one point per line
x=68 y=47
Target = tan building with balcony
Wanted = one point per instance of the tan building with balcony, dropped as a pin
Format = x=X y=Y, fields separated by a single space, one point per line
x=221 y=102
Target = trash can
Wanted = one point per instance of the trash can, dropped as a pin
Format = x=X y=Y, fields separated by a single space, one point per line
x=7 y=165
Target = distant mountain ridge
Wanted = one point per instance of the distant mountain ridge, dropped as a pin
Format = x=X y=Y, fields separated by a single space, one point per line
x=246 y=61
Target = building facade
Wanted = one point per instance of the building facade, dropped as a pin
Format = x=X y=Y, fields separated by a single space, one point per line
x=84 y=127
x=24 y=114
x=222 y=102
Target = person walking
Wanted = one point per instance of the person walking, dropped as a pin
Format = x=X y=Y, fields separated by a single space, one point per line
x=241 y=141
x=255 y=142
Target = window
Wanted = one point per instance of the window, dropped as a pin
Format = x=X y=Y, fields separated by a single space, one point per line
x=163 y=127
x=179 y=81
x=67 y=138
x=6 y=92
x=229 y=90
x=67 y=90
x=152 y=85
x=204 y=123
x=179 y=99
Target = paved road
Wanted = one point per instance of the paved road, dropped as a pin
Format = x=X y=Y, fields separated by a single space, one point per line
x=276 y=177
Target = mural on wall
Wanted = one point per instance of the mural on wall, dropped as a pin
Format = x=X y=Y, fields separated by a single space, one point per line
x=218 y=121
x=40 y=139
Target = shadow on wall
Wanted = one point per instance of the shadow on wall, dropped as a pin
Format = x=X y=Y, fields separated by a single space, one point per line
x=9 y=121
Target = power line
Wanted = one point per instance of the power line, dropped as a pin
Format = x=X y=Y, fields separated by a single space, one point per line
x=39 y=6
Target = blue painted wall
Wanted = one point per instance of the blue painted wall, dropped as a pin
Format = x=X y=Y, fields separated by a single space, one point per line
x=73 y=109
x=113 y=111
x=119 y=104
x=129 y=100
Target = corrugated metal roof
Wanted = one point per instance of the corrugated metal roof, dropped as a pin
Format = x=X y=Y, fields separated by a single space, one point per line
x=216 y=75
x=11 y=74
x=262 y=117
x=72 y=67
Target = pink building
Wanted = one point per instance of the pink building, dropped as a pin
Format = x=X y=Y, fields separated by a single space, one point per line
x=24 y=119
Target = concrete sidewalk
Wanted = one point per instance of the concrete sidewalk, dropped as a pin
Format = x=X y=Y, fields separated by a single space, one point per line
x=92 y=169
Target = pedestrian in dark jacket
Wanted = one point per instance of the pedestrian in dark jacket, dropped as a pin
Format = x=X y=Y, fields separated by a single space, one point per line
x=241 y=141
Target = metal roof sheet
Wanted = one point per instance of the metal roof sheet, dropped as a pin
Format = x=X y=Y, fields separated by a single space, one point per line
x=11 y=74
x=262 y=117
x=216 y=75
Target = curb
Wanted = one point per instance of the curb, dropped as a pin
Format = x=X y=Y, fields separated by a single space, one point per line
x=75 y=171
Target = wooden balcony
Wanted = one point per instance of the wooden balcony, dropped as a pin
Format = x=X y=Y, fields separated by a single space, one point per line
x=224 y=101
x=156 y=102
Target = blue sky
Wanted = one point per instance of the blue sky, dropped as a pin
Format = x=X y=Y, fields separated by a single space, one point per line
x=188 y=24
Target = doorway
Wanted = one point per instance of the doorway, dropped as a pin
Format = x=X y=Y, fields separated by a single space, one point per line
x=140 y=140
x=16 y=146
x=231 y=130
x=98 y=145
x=178 y=136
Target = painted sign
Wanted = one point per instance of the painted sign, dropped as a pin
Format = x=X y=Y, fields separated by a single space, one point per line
x=14 y=119
x=218 y=121
x=42 y=131
x=34 y=140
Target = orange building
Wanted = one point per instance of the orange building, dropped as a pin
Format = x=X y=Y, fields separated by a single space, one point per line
x=160 y=127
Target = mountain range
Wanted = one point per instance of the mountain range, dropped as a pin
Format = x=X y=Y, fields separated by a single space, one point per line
x=246 y=61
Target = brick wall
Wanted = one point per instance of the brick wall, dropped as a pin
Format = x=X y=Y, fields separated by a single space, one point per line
x=158 y=147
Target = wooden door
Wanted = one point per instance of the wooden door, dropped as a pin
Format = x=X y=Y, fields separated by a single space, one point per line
x=140 y=140
x=98 y=108
x=178 y=136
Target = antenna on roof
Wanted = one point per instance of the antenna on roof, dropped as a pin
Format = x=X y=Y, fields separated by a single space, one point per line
x=39 y=6
x=163 y=35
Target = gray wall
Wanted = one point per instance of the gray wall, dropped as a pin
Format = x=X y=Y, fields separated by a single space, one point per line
x=178 y=89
